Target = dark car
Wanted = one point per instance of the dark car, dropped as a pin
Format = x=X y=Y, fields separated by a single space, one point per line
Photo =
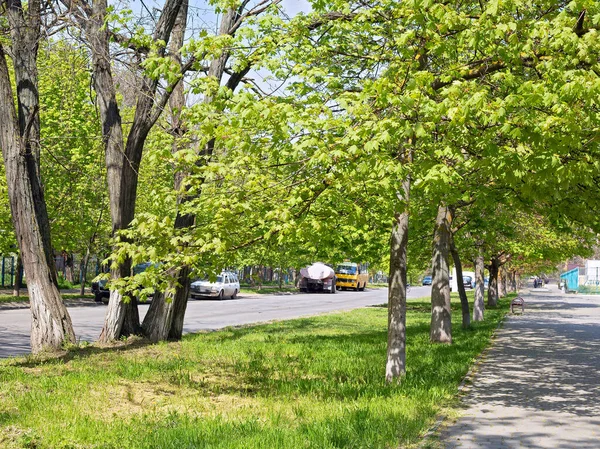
x=427 y=280
x=101 y=293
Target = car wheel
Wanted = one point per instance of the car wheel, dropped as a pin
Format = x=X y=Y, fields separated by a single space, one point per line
x=98 y=297
x=221 y=295
x=235 y=292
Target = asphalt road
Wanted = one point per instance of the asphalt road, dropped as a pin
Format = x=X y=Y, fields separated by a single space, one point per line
x=202 y=314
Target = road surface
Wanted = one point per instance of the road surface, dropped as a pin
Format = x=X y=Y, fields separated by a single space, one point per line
x=202 y=314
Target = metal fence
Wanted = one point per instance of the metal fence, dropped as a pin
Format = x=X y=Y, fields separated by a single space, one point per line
x=9 y=268
x=8 y=273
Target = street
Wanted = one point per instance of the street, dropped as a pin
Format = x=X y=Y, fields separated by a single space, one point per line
x=202 y=314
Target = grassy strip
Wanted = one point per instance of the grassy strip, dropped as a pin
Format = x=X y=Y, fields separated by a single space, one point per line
x=268 y=290
x=305 y=383
x=25 y=297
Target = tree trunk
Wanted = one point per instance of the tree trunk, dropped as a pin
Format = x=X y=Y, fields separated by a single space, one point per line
x=18 y=277
x=166 y=314
x=396 y=345
x=84 y=265
x=19 y=138
x=503 y=282
x=441 y=314
x=493 y=283
x=123 y=164
x=478 y=305
x=464 y=302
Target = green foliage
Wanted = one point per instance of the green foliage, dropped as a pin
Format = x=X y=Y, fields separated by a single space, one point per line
x=72 y=162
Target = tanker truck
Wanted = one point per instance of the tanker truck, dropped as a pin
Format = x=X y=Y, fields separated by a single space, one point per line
x=317 y=277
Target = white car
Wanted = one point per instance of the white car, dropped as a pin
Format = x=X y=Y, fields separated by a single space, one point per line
x=227 y=285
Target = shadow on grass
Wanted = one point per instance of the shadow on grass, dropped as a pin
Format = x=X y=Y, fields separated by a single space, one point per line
x=45 y=358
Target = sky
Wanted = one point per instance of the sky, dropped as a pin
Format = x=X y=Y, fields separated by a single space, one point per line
x=201 y=16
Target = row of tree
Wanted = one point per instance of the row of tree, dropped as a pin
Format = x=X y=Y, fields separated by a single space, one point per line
x=471 y=124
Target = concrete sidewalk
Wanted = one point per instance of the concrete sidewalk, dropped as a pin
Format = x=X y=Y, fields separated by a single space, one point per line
x=539 y=385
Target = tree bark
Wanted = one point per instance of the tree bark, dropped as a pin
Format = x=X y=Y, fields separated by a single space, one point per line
x=464 y=302
x=493 y=268
x=123 y=164
x=51 y=324
x=478 y=306
x=18 y=277
x=502 y=282
x=396 y=345
x=112 y=134
x=441 y=314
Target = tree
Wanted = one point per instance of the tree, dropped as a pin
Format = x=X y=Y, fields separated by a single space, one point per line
x=19 y=139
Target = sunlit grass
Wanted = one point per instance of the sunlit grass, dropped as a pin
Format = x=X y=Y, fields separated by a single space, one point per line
x=305 y=383
x=25 y=297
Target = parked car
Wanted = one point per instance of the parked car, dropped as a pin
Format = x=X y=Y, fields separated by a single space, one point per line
x=468 y=281
x=100 y=291
x=226 y=285
x=427 y=280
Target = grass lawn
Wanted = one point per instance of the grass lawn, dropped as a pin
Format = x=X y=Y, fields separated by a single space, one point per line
x=24 y=297
x=269 y=290
x=305 y=383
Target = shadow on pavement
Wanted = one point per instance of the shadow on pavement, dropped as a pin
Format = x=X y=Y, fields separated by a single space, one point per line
x=540 y=384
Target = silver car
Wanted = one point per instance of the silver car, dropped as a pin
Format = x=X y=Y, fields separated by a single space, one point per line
x=227 y=285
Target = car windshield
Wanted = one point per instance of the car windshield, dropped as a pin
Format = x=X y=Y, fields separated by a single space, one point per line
x=346 y=269
x=206 y=279
x=467 y=279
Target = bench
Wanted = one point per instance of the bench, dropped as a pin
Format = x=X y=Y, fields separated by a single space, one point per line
x=518 y=301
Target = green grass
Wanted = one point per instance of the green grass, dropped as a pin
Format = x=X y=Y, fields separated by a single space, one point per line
x=268 y=290
x=305 y=383
x=24 y=297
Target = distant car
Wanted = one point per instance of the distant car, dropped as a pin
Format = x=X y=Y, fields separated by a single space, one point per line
x=427 y=280
x=468 y=281
x=226 y=285
x=100 y=291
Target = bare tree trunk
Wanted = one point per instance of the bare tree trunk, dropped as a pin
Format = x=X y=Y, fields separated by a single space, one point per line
x=123 y=164
x=464 y=302
x=478 y=305
x=280 y=278
x=18 y=277
x=515 y=281
x=502 y=282
x=493 y=268
x=19 y=138
x=441 y=313
x=396 y=345
x=84 y=265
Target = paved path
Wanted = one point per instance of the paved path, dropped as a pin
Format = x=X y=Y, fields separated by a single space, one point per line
x=539 y=386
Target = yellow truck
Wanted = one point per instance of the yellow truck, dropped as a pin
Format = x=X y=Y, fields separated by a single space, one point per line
x=351 y=275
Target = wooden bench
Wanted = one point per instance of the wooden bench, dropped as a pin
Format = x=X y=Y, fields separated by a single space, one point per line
x=518 y=301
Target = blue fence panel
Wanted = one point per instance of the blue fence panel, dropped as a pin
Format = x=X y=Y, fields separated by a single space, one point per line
x=571 y=277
